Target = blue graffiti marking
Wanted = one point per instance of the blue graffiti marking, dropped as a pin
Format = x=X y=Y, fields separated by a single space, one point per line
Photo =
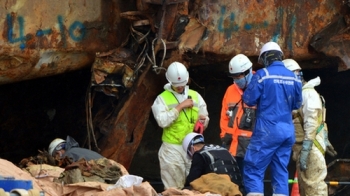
x=250 y=26
x=278 y=30
x=290 y=36
x=77 y=27
x=10 y=33
x=22 y=46
x=76 y=31
x=40 y=32
x=221 y=20
x=228 y=27
x=232 y=27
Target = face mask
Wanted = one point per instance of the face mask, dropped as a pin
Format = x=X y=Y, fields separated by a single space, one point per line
x=299 y=75
x=242 y=83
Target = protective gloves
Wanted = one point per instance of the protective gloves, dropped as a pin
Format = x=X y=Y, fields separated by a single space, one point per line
x=304 y=153
x=198 y=127
x=330 y=151
x=226 y=140
x=329 y=147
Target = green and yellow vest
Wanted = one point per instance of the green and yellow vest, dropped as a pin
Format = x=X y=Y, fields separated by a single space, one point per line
x=184 y=124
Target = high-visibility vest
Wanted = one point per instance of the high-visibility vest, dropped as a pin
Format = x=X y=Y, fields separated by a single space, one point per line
x=184 y=124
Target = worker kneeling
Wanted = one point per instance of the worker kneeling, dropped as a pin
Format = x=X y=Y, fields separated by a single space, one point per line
x=209 y=158
x=83 y=165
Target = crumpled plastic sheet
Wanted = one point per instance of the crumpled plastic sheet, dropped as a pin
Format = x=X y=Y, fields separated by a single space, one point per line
x=127 y=181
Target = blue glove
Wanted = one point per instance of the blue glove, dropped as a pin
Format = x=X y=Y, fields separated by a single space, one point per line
x=304 y=153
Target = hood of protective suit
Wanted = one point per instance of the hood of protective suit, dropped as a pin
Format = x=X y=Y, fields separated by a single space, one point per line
x=312 y=83
x=168 y=88
x=71 y=143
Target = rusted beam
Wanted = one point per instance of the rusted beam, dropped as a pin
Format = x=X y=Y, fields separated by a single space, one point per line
x=126 y=131
x=17 y=68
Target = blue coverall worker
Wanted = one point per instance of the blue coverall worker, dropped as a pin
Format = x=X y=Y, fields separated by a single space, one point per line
x=276 y=92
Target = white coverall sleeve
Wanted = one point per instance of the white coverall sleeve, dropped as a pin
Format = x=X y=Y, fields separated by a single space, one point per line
x=163 y=115
x=311 y=108
x=203 y=110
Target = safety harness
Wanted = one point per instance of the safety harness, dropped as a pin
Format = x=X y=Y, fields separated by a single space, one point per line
x=220 y=166
x=321 y=118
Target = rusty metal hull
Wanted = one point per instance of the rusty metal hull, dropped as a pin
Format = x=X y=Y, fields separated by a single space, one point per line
x=42 y=38
x=60 y=36
x=244 y=26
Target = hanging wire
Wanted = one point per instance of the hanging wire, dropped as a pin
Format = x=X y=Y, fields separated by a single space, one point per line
x=90 y=126
x=157 y=68
x=140 y=59
x=139 y=38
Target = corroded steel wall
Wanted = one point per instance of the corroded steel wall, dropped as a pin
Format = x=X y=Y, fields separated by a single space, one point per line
x=41 y=38
x=244 y=26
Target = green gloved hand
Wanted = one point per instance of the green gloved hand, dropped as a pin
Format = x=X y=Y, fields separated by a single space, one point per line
x=330 y=151
x=304 y=154
x=329 y=147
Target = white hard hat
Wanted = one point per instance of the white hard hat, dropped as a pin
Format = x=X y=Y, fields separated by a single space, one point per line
x=187 y=141
x=291 y=64
x=55 y=143
x=269 y=46
x=239 y=64
x=177 y=74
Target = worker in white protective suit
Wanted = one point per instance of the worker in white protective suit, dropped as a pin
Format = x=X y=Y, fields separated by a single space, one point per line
x=311 y=137
x=179 y=111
